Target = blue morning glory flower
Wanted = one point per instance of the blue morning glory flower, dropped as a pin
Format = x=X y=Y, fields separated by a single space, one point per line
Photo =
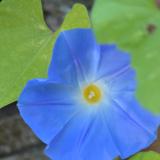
x=86 y=109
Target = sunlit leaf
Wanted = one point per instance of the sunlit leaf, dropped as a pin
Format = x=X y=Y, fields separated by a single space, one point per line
x=26 y=43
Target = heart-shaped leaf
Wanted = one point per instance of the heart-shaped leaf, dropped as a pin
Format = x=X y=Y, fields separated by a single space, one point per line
x=26 y=43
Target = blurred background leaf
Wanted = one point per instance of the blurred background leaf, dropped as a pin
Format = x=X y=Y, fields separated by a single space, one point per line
x=135 y=27
x=26 y=43
x=146 y=156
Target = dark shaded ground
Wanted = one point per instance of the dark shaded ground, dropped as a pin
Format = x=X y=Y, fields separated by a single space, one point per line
x=55 y=10
x=17 y=141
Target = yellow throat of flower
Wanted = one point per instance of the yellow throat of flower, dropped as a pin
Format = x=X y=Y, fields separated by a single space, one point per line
x=92 y=94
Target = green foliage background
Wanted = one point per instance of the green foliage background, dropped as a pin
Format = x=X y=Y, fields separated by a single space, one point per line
x=134 y=27
x=146 y=156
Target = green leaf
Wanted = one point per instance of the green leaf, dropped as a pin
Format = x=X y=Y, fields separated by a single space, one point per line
x=146 y=156
x=26 y=43
x=135 y=27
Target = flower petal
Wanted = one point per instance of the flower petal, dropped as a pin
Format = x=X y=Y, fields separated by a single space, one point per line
x=83 y=139
x=98 y=142
x=132 y=128
x=46 y=107
x=128 y=103
x=123 y=83
x=113 y=62
x=44 y=91
x=75 y=55
x=66 y=144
